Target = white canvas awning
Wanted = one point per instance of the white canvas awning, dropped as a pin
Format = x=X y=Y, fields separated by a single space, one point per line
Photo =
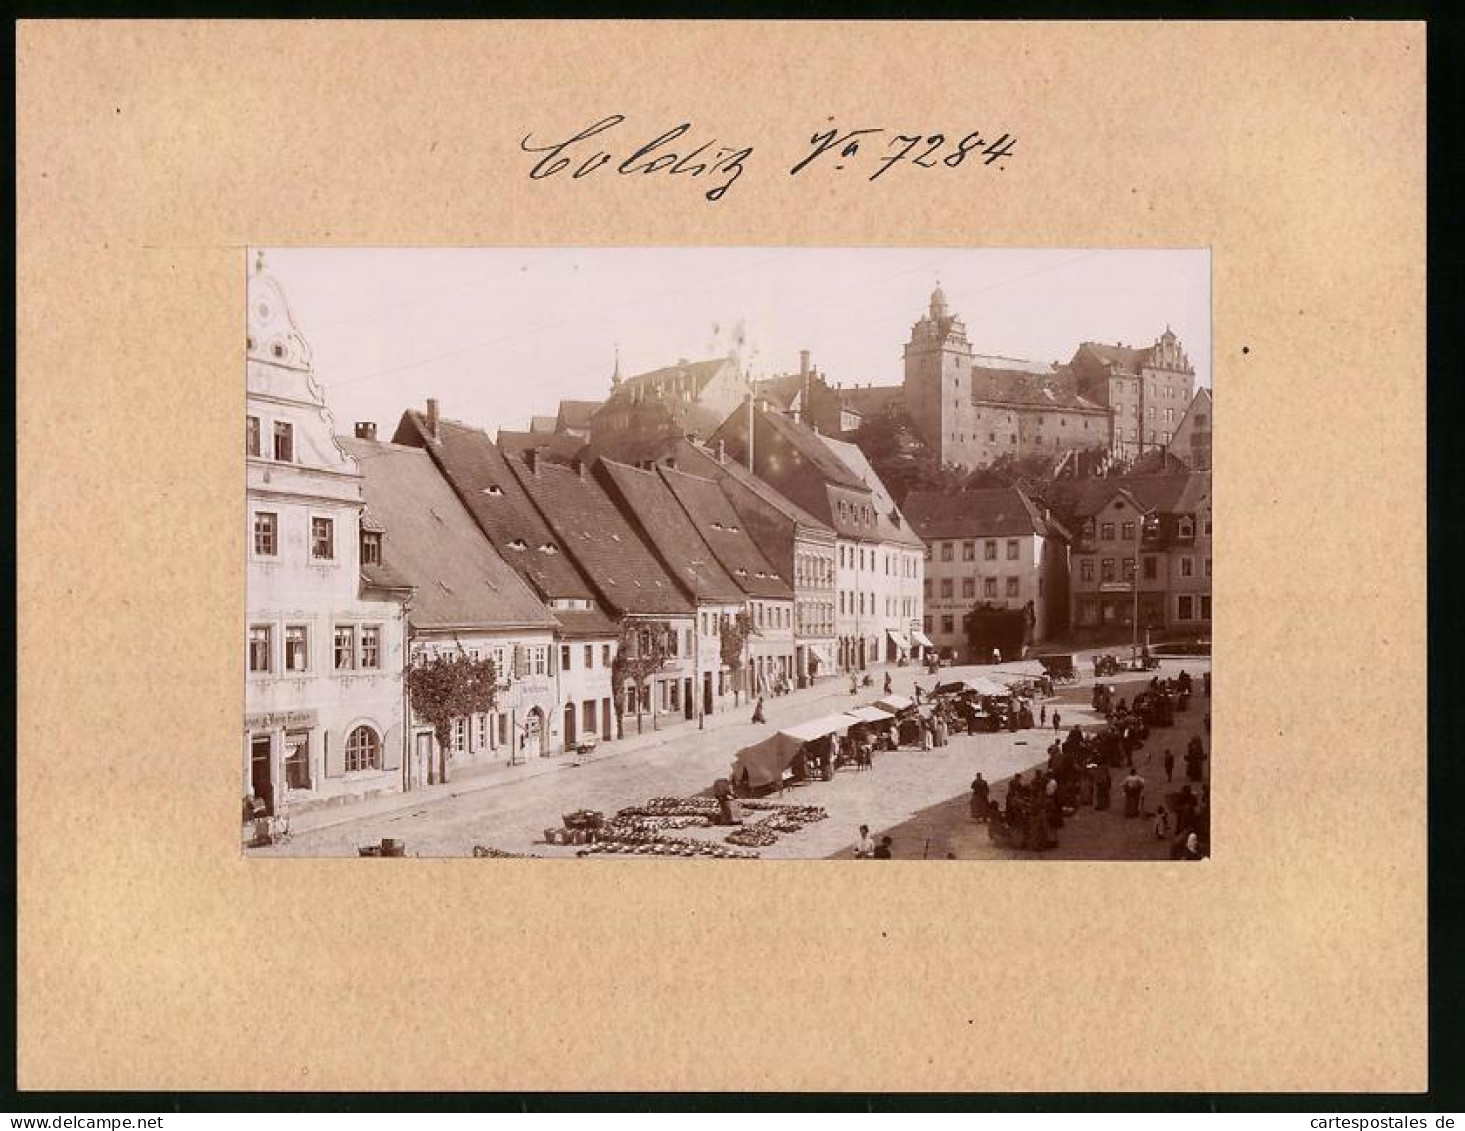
x=818 y=728
x=895 y=703
x=983 y=685
x=922 y=639
x=898 y=640
x=870 y=714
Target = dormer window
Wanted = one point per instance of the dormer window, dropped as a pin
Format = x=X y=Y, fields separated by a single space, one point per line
x=493 y=490
x=1187 y=527
x=371 y=547
x=549 y=548
x=518 y=544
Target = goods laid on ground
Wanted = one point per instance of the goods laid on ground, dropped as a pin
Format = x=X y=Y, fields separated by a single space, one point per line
x=481 y=852
x=673 y=807
x=657 y=844
x=753 y=836
x=781 y=819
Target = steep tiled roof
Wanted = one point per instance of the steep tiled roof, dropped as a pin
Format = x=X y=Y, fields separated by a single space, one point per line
x=576 y=414
x=1128 y=359
x=591 y=529
x=1079 y=498
x=645 y=498
x=692 y=374
x=478 y=473
x=541 y=424
x=557 y=445
x=1023 y=387
x=991 y=512
x=700 y=461
x=433 y=542
x=892 y=526
x=780 y=391
x=810 y=446
x=872 y=400
x=583 y=624
x=721 y=528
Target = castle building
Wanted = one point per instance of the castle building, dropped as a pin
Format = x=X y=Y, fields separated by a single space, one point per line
x=647 y=415
x=325 y=616
x=1146 y=389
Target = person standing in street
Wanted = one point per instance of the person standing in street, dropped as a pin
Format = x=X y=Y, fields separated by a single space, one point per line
x=888 y=684
x=1057 y=721
x=1169 y=764
x=864 y=847
x=758 y=711
x=980 y=798
x=1134 y=792
x=1043 y=715
x=882 y=850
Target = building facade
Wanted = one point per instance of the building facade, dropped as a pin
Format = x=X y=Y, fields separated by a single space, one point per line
x=467 y=602
x=1146 y=388
x=1141 y=557
x=323 y=694
x=586 y=640
x=1192 y=439
x=878 y=559
x=628 y=580
x=795 y=543
x=994 y=548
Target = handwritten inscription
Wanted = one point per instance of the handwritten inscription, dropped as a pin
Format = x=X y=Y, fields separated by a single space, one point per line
x=871 y=150
x=927 y=151
x=663 y=154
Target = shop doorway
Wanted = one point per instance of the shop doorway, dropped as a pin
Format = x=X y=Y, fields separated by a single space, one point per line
x=422 y=760
x=707 y=693
x=569 y=726
x=534 y=732
x=261 y=772
x=689 y=705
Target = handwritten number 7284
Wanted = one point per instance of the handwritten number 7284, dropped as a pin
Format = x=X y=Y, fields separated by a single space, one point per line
x=920 y=150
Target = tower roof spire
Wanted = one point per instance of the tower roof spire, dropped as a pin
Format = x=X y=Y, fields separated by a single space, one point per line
x=615 y=377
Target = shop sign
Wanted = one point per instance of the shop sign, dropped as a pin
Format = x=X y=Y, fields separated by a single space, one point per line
x=272 y=719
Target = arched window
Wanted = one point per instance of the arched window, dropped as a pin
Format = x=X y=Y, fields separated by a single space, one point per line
x=363 y=750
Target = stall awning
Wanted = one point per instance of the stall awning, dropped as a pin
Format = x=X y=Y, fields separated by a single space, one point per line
x=764 y=762
x=818 y=728
x=895 y=703
x=922 y=639
x=982 y=685
x=825 y=654
x=870 y=714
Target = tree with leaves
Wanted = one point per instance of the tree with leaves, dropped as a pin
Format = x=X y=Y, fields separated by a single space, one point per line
x=448 y=687
x=641 y=651
x=733 y=632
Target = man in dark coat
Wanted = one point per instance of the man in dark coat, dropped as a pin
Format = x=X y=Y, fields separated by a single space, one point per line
x=980 y=801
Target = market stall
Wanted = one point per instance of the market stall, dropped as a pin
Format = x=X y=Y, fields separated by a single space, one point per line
x=793 y=752
x=873 y=729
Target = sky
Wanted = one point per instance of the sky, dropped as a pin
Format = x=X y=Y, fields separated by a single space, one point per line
x=500 y=334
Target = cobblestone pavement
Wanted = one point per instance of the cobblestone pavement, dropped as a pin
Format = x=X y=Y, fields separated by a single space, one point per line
x=912 y=795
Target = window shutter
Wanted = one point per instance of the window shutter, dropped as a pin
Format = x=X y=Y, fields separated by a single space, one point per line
x=554 y=659
x=335 y=755
x=392 y=748
x=518 y=661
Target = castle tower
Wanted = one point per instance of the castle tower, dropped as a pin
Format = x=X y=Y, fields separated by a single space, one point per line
x=938 y=375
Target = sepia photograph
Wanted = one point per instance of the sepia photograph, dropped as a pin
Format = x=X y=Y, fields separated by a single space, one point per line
x=728 y=553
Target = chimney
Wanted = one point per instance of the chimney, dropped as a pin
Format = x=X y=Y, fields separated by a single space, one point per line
x=432 y=417
x=366 y=430
x=804 y=364
x=579 y=466
x=721 y=452
x=531 y=460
